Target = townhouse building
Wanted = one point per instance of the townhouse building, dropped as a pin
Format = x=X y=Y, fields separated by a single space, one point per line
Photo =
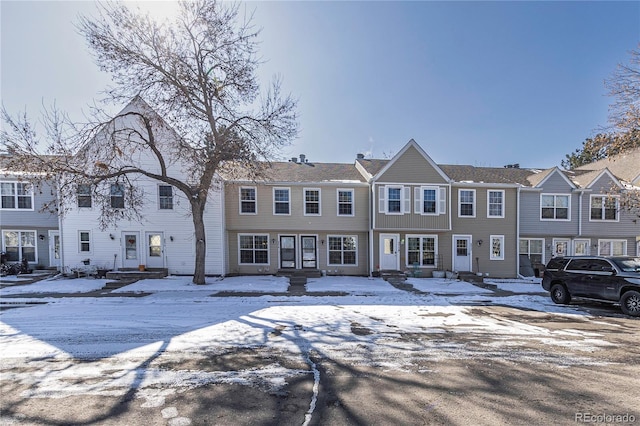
x=28 y=222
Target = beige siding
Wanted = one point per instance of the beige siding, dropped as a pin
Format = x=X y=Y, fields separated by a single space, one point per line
x=411 y=167
x=411 y=220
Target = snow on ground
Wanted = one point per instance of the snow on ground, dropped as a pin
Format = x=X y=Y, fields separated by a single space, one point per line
x=117 y=336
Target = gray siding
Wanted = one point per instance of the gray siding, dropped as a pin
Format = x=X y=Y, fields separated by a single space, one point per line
x=28 y=219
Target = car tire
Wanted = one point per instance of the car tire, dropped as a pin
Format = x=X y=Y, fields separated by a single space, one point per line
x=559 y=294
x=630 y=303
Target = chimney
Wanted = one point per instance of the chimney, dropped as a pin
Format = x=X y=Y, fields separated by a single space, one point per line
x=303 y=158
x=360 y=156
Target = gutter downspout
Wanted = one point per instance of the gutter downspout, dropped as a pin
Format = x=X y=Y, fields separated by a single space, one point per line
x=518 y=233
x=372 y=224
x=60 y=227
x=580 y=214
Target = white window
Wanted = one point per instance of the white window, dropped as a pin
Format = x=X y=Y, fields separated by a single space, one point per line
x=84 y=239
x=394 y=199
x=496 y=247
x=165 y=195
x=16 y=196
x=612 y=247
x=253 y=249
x=581 y=247
x=83 y=195
x=533 y=248
x=312 y=202
x=248 y=203
x=495 y=203
x=19 y=245
x=604 y=208
x=422 y=250
x=117 y=196
x=554 y=207
x=281 y=201
x=345 y=202
x=467 y=202
x=343 y=250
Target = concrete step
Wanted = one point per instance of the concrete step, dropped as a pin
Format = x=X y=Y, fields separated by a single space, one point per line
x=309 y=273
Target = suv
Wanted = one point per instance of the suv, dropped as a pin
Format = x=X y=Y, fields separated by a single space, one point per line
x=613 y=279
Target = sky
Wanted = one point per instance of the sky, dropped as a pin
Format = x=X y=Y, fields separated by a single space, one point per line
x=479 y=83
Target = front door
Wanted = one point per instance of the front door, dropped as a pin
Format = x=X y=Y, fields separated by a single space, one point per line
x=389 y=252
x=560 y=247
x=131 y=249
x=309 y=256
x=461 y=253
x=287 y=251
x=155 y=249
x=54 y=249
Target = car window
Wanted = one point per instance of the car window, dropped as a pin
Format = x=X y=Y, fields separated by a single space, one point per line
x=579 y=265
x=599 y=265
x=557 y=263
x=631 y=264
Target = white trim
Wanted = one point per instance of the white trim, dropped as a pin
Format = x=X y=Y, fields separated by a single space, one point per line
x=396 y=238
x=502 y=204
x=469 y=239
x=281 y=188
x=419 y=200
x=500 y=256
x=554 y=243
x=602 y=210
x=80 y=232
x=353 y=201
x=421 y=236
x=304 y=201
x=613 y=240
x=15 y=196
x=355 y=238
x=255 y=200
x=475 y=202
x=173 y=203
x=253 y=235
x=554 y=195
x=20 y=231
x=562 y=175
x=602 y=173
x=412 y=143
x=587 y=244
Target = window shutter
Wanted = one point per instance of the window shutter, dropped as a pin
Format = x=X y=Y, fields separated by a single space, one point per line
x=381 y=200
x=442 y=201
x=407 y=199
x=417 y=200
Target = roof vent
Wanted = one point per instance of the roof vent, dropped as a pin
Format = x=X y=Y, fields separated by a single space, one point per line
x=360 y=156
x=303 y=158
x=512 y=166
x=293 y=160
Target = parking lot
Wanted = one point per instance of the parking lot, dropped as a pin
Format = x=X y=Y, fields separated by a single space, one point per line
x=349 y=351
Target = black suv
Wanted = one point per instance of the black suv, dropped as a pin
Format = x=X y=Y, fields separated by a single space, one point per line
x=602 y=278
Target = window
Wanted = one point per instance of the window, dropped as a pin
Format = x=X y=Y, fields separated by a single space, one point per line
x=612 y=247
x=497 y=247
x=467 y=202
x=345 y=202
x=83 y=195
x=604 y=207
x=581 y=247
x=554 y=207
x=495 y=203
x=281 y=201
x=312 y=202
x=533 y=249
x=19 y=245
x=165 y=194
x=16 y=196
x=421 y=250
x=254 y=249
x=248 y=200
x=85 y=241
x=117 y=196
x=429 y=200
x=394 y=200
x=342 y=250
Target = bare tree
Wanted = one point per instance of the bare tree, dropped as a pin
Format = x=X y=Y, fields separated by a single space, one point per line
x=624 y=87
x=197 y=76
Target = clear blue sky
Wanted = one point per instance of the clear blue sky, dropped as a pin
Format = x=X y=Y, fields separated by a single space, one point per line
x=480 y=83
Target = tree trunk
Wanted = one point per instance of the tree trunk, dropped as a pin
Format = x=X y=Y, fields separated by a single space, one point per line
x=197 y=210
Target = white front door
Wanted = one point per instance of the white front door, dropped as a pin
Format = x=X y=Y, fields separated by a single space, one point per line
x=560 y=247
x=54 y=249
x=389 y=252
x=155 y=249
x=581 y=247
x=462 y=253
x=131 y=249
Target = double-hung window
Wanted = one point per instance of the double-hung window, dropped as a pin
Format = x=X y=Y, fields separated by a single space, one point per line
x=394 y=199
x=248 y=200
x=312 y=202
x=343 y=250
x=495 y=204
x=533 y=248
x=604 y=207
x=345 y=202
x=84 y=240
x=117 y=196
x=422 y=250
x=467 y=203
x=165 y=197
x=281 y=201
x=16 y=196
x=554 y=207
x=612 y=247
x=83 y=195
x=254 y=249
x=19 y=245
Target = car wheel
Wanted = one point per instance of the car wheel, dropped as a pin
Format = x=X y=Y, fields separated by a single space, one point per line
x=630 y=303
x=559 y=294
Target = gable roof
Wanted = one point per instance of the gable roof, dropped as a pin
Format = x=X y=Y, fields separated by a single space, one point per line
x=625 y=166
